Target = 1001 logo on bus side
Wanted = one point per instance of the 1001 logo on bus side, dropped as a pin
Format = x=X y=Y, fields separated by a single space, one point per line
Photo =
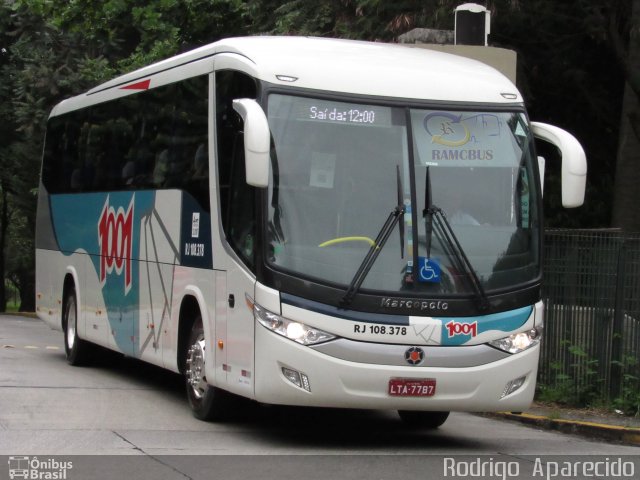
x=115 y=239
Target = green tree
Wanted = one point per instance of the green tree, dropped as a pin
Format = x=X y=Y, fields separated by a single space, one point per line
x=573 y=59
x=6 y=134
x=18 y=157
x=53 y=49
x=39 y=65
x=358 y=19
x=626 y=211
x=570 y=77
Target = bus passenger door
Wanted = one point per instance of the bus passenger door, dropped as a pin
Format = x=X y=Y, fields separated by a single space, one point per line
x=220 y=329
x=234 y=240
x=239 y=332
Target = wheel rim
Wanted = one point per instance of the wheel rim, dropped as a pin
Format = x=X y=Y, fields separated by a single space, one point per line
x=195 y=368
x=71 y=325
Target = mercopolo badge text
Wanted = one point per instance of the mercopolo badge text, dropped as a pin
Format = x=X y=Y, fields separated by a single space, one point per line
x=37 y=469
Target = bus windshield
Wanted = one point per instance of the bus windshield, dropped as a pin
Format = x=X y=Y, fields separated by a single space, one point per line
x=335 y=182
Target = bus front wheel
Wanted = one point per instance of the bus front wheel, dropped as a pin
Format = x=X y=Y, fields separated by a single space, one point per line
x=429 y=420
x=207 y=402
x=75 y=348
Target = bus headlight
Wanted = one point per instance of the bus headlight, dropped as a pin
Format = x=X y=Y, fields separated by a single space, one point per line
x=518 y=342
x=298 y=332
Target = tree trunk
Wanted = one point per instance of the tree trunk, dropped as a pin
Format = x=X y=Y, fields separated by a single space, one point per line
x=27 y=290
x=626 y=206
x=4 y=225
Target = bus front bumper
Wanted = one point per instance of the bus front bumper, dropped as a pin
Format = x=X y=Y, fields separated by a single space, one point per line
x=337 y=383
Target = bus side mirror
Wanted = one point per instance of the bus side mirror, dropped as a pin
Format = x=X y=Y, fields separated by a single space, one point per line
x=574 y=162
x=257 y=141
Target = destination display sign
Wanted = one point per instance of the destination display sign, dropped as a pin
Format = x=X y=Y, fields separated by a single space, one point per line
x=327 y=111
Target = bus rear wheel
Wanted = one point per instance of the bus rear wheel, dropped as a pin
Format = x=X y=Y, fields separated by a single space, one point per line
x=430 y=420
x=207 y=402
x=76 y=349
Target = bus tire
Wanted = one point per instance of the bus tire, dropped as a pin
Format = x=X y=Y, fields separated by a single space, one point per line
x=206 y=401
x=76 y=349
x=429 y=420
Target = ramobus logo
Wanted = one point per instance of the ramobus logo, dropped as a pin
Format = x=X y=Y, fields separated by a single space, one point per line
x=115 y=232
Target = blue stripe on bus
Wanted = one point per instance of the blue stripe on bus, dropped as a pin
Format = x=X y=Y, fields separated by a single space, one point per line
x=504 y=322
x=76 y=221
x=341 y=313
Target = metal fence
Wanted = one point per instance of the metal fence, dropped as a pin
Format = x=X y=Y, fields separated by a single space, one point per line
x=591 y=289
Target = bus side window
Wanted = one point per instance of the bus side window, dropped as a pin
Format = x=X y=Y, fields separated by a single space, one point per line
x=237 y=198
x=61 y=156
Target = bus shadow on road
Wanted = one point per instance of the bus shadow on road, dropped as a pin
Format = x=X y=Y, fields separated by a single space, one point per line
x=351 y=429
x=302 y=427
x=136 y=372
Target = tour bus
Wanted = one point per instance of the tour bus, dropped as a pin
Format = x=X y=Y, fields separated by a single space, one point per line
x=304 y=221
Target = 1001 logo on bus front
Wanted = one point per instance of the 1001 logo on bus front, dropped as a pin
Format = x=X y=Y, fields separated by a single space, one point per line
x=115 y=239
x=456 y=328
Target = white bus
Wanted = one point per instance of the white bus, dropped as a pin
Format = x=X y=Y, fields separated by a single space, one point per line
x=304 y=221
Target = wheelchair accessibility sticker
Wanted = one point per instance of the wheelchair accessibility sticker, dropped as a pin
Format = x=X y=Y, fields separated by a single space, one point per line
x=429 y=270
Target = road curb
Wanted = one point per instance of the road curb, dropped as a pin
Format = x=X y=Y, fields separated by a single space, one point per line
x=613 y=433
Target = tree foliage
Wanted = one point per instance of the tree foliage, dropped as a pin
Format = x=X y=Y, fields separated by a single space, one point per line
x=574 y=58
x=573 y=62
x=627 y=194
x=53 y=49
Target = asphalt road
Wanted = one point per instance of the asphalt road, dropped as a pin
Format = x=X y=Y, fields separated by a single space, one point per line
x=122 y=407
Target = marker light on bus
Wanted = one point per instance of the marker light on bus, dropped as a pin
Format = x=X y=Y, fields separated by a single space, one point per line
x=299 y=379
x=298 y=332
x=512 y=386
x=518 y=342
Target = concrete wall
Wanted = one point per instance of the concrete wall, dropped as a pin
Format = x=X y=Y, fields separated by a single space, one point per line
x=502 y=59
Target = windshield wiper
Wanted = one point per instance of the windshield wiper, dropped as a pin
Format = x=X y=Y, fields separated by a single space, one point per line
x=377 y=246
x=427 y=213
x=400 y=202
x=435 y=216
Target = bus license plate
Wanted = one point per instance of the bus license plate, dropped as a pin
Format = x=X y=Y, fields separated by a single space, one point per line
x=411 y=387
